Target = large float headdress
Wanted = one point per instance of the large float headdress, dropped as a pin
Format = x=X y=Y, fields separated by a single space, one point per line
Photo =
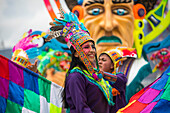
x=75 y=34
x=20 y=57
x=19 y=54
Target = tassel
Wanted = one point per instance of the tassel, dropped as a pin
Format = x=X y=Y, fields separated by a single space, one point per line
x=115 y=92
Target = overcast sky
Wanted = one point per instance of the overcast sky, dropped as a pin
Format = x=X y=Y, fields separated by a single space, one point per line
x=18 y=16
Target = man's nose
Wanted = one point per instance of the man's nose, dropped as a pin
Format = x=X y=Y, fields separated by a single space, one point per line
x=99 y=62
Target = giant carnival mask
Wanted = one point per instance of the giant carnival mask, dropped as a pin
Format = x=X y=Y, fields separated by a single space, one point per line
x=110 y=22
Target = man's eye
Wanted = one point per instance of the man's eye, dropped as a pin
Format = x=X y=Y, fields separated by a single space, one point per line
x=120 y=12
x=95 y=11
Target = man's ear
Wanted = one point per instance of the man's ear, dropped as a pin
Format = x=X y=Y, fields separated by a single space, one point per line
x=112 y=66
x=76 y=54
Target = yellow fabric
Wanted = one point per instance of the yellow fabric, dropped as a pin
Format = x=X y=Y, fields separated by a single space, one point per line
x=129 y=104
x=55 y=109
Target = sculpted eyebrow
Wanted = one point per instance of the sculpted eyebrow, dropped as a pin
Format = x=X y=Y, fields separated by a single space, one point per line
x=121 y=1
x=93 y=2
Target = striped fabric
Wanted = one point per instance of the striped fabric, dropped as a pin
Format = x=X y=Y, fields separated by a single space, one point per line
x=23 y=91
x=155 y=98
x=110 y=77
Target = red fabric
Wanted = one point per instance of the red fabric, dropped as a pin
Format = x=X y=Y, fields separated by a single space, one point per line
x=136 y=107
x=4 y=67
x=137 y=95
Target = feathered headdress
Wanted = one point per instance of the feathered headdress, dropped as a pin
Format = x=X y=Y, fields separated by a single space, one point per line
x=75 y=34
x=19 y=54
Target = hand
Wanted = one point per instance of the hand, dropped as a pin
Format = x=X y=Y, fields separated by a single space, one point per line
x=33 y=67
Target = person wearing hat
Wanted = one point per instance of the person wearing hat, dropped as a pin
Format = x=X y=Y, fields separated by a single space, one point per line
x=85 y=89
x=109 y=61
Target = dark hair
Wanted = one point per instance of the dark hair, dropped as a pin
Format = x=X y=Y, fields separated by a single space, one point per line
x=75 y=62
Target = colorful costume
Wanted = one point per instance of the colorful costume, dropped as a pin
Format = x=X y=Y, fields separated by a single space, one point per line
x=20 y=57
x=134 y=69
x=82 y=87
x=119 y=99
x=83 y=95
x=117 y=57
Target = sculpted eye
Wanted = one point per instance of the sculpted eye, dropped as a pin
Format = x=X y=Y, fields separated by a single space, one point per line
x=95 y=11
x=120 y=12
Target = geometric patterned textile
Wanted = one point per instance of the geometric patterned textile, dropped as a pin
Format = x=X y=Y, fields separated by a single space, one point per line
x=23 y=91
x=154 y=98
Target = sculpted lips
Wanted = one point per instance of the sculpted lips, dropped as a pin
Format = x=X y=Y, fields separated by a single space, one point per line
x=109 y=39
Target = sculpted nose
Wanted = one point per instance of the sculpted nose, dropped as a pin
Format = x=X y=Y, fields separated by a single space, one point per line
x=108 y=22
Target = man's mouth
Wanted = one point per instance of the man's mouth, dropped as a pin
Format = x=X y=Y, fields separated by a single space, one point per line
x=109 y=39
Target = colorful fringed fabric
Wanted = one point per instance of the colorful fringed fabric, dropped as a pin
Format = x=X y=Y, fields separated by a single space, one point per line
x=155 y=98
x=22 y=90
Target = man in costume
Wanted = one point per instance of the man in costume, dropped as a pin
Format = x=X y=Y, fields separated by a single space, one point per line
x=108 y=62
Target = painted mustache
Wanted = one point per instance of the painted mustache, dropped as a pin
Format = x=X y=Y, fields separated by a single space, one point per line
x=109 y=39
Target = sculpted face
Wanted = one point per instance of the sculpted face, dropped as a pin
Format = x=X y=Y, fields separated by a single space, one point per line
x=110 y=23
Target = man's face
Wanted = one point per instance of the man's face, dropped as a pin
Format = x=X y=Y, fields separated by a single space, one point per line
x=110 y=23
x=105 y=63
